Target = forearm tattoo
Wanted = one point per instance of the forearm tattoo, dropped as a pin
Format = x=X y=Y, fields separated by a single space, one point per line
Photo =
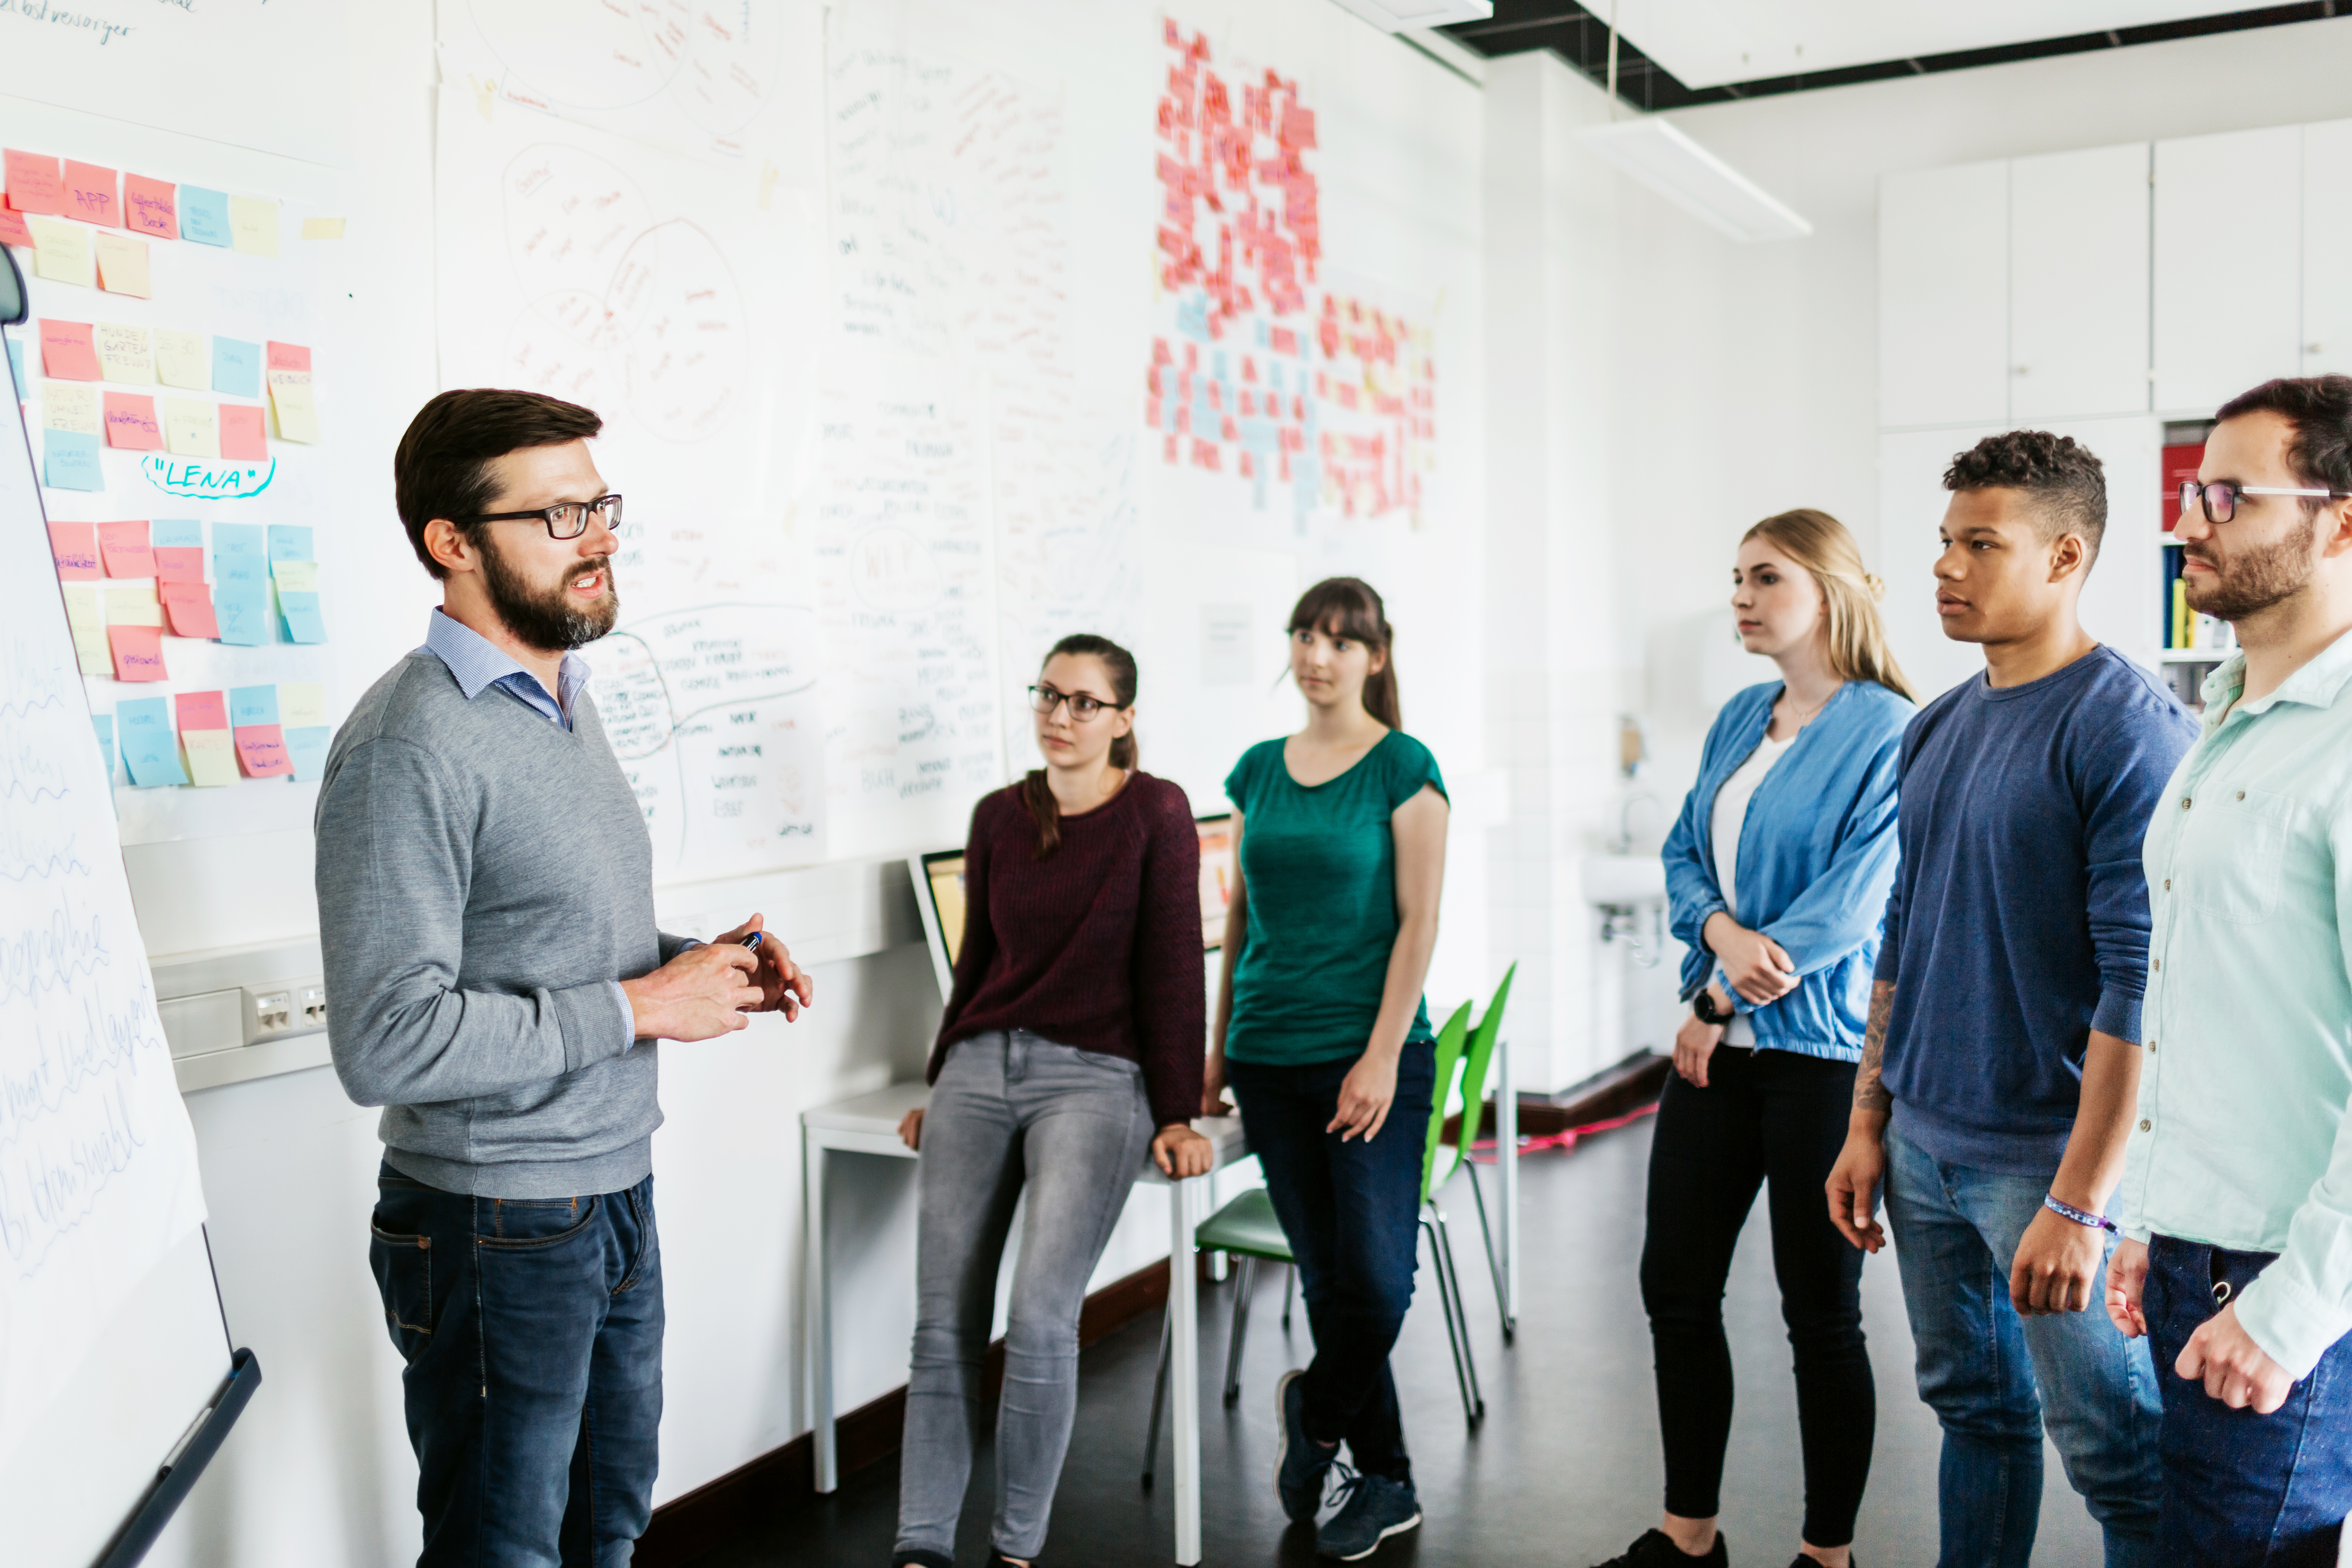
x=1869 y=1091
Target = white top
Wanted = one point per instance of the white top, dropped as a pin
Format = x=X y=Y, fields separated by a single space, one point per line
x=1730 y=816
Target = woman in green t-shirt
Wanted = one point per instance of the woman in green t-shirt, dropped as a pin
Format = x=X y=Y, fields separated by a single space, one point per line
x=1321 y=1034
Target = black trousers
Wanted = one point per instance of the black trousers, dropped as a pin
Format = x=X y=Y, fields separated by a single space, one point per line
x=1765 y=1116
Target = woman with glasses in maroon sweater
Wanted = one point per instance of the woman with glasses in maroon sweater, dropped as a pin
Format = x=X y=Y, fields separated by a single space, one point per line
x=1073 y=1041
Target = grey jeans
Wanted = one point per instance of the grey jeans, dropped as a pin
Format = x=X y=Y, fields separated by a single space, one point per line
x=1009 y=1111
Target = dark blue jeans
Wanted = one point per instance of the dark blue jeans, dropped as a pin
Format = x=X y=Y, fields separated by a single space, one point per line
x=1351 y=1212
x=2241 y=1488
x=532 y=1330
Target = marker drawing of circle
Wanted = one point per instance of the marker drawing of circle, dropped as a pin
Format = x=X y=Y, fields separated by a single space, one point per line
x=570 y=218
x=687 y=354
x=540 y=356
x=893 y=571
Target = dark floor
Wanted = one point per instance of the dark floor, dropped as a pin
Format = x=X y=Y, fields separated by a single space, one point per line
x=1565 y=1469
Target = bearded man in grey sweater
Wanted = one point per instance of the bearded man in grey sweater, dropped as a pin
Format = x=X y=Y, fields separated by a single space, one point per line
x=495 y=982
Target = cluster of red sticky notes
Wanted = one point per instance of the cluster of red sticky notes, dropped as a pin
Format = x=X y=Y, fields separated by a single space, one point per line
x=151 y=207
x=138 y=652
x=13 y=230
x=124 y=547
x=33 y=186
x=89 y=194
x=242 y=436
x=74 y=547
x=130 y=423
x=67 y=352
x=188 y=604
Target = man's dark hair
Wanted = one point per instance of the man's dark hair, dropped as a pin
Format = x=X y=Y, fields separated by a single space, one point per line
x=442 y=467
x=2320 y=409
x=2066 y=482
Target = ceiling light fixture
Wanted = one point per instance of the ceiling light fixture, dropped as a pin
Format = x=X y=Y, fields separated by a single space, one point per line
x=1657 y=153
x=1397 y=15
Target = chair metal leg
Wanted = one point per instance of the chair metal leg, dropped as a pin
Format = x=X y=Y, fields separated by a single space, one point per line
x=1494 y=1259
x=1445 y=1304
x=1244 y=1279
x=1461 y=1311
x=1290 y=1289
x=1159 y=1394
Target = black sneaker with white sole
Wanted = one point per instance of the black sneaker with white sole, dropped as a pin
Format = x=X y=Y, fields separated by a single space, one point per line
x=1656 y=1548
x=1300 y=1462
x=1371 y=1509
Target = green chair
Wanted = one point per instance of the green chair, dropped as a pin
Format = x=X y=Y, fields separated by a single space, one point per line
x=1445 y=1160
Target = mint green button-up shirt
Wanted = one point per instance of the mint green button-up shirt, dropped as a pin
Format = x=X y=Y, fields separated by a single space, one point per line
x=2241 y=1139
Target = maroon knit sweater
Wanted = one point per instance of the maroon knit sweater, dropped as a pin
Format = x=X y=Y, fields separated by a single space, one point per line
x=1097 y=947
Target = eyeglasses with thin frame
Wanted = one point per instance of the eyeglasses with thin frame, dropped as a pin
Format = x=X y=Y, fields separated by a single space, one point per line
x=1045 y=700
x=564 y=519
x=2220 y=498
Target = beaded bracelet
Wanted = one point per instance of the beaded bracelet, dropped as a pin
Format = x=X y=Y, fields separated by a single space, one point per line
x=2094 y=1222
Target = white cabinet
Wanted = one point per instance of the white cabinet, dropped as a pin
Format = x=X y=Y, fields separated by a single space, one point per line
x=2229 y=269
x=2326 y=203
x=1943 y=296
x=2078 y=260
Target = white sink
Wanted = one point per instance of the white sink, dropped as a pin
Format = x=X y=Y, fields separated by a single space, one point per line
x=1624 y=879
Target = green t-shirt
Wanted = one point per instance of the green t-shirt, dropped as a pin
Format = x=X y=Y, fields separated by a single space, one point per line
x=1319 y=865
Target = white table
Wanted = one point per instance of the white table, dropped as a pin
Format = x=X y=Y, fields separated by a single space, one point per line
x=869 y=1124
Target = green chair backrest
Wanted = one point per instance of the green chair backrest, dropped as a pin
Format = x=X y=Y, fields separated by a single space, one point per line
x=1478 y=1058
x=1451 y=1036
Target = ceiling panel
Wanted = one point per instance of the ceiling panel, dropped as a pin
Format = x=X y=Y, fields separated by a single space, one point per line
x=1705 y=43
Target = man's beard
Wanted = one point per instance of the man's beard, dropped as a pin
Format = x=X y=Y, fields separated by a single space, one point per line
x=549 y=618
x=2255 y=578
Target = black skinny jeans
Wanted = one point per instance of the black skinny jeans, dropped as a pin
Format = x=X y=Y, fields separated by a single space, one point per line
x=1764 y=1115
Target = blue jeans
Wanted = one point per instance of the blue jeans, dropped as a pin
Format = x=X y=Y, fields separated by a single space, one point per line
x=532 y=1330
x=1995 y=1379
x=1351 y=1212
x=2241 y=1488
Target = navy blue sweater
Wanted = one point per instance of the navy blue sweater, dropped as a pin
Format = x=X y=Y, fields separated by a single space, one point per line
x=2019 y=920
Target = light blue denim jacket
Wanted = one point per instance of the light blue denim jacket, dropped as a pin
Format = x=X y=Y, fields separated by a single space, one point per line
x=1817 y=857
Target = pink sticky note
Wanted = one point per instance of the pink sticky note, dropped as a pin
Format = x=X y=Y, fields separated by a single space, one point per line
x=130 y=423
x=179 y=564
x=33 y=186
x=262 y=749
x=289 y=356
x=13 y=230
x=89 y=194
x=124 y=546
x=189 y=607
x=151 y=207
x=74 y=547
x=67 y=352
x=241 y=435
x=202 y=710
x=139 y=653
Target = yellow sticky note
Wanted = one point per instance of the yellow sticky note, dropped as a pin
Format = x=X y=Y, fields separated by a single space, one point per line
x=302 y=705
x=191 y=429
x=69 y=406
x=88 y=623
x=133 y=607
x=183 y=359
x=123 y=265
x=124 y=354
x=296 y=577
x=61 y=252
x=253 y=225
x=212 y=753
x=289 y=397
x=321 y=228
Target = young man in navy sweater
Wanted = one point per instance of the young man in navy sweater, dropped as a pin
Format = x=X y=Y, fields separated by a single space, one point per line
x=2002 y=1055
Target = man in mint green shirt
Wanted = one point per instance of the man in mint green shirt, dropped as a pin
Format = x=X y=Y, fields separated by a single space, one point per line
x=2237 y=1193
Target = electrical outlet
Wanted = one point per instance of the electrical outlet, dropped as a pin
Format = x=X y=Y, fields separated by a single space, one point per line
x=311 y=1006
x=286 y=1008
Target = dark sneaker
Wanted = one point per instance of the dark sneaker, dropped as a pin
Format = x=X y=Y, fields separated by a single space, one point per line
x=1371 y=1509
x=1656 y=1548
x=1300 y=1462
x=1804 y=1561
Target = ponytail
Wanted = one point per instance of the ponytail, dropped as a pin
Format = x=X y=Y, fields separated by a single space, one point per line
x=1350 y=607
x=1036 y=796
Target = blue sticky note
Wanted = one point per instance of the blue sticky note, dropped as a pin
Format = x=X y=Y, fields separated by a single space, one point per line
x=204 y=216
x=243 y=611
x=168 y=534
x=238 y=553
x=303 y=621
x=104 y=724
x=16 y=369
x=252 y=705
x=70 y=461
x=307 y=748
x=290 y=541
x=149 y=747
x=237 y=367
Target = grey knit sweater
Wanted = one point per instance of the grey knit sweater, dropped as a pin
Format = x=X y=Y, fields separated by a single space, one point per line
x=484 y=877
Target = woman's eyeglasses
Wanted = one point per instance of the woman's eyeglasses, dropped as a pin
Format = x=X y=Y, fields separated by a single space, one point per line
x=2220 y=498
x=1045 y=700
x=565 y=518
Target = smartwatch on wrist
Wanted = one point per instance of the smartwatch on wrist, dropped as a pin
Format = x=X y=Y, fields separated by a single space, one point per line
x=1708 y=1012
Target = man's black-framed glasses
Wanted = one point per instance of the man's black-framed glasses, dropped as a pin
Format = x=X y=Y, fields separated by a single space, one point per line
x=2221 y=496
x=565 y=518
x=1045 y=700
